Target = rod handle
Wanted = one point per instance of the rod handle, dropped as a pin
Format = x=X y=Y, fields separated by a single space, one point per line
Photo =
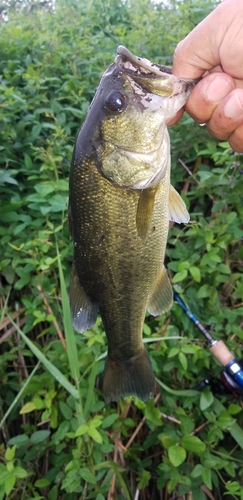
x=221 y=352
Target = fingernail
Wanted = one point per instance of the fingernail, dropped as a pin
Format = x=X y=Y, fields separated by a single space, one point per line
x=218 y=88
x=233 y=107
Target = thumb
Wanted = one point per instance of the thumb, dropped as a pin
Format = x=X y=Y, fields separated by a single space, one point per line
x=200 y=50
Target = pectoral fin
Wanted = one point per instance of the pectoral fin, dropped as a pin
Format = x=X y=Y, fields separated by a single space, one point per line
x=145 y=211
x=83 y=311
x=162 y=297
x=177 y=208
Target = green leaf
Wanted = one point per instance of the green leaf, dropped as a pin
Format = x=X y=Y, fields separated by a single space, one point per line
x=4 y=476
x=61 y=432
x=197 y=471
x=222 y=268
x=19 y=440
x=66 y=410
x=5 y=177
x=234 y=409
x=27 y=408
x=167 y=441
x=173 y=352
x=195 y=273
x=206 y=399
x=235 y=430
x=10 y=453
x=42 y=483
x=95 y=435
x=207 y=478
x=20 y=473
x=204 y=291
x=87 y=475
x=39 y=436
x=96 y=421
x=230 y=469
x=152 y=413
x=109 y=420
x=144 y=479
x=180 y=276
x=193 y=443
x=177 y=455
x=183 y=360
x=187 y=424
x=28 y=161
x=9 y=484
x=225 y=419
x=81 y=430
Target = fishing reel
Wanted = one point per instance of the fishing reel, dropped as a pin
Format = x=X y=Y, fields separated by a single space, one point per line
x=226 y=385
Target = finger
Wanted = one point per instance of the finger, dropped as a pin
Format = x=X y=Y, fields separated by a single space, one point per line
x=198 y=52
x=210 y=41
x=236 y=139
x=227 y=116
x=207 y=94
x=176 y=118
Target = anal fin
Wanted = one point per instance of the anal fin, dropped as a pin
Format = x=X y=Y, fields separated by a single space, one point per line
x=177 y=208
x=161 y=299
x=83 y=310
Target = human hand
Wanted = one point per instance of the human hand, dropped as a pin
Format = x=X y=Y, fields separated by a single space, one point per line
x=215 y=47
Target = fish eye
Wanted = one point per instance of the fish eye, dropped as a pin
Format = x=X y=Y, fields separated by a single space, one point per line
x=115 y=101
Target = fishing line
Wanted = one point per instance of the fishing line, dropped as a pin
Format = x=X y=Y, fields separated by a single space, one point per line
x=232 y=374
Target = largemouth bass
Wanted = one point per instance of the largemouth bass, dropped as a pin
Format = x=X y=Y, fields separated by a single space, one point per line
x=120 y=205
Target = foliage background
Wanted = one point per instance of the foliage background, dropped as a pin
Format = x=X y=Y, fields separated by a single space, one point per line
x=58 y=438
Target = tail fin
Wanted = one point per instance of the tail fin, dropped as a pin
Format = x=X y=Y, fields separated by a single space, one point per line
x=132 y=377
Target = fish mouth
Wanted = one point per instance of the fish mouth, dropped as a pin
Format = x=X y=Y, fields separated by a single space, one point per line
x=140 y=65
x=151 y=76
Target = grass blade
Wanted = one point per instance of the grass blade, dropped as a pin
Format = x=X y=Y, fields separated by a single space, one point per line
x=72 y=351
x=185 y=392
x=68 y=327
x=19 y=395
x=48 y=365
x=89 y=397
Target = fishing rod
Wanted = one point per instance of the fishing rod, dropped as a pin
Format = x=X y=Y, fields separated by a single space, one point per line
x=232 y=374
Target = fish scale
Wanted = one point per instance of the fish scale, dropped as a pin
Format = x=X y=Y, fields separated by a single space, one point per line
x=116 y=281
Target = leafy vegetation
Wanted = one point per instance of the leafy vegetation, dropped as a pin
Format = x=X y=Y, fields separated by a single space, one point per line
x=59 y=441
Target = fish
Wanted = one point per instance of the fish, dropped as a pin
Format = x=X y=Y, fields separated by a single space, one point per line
x=120 y=205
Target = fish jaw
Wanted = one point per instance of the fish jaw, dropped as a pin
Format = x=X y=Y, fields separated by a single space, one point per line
x=157 y=79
